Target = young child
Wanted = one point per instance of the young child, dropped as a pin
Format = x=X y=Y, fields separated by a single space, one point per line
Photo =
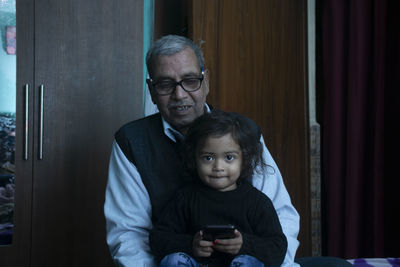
x=222 y=150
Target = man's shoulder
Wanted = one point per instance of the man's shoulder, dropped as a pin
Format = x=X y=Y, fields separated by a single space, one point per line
x=141 y=122
x=139 y=125
x=137 y=134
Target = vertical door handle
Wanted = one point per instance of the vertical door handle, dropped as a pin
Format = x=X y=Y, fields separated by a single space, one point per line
x=26 y=126
x=41 y=122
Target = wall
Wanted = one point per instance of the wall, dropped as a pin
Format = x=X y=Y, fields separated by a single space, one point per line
x=315 y=151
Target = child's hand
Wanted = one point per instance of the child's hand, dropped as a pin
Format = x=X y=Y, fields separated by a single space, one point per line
x=202 y=248
x=230 y=246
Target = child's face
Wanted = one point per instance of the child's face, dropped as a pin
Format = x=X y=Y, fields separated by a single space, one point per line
x=219 y=162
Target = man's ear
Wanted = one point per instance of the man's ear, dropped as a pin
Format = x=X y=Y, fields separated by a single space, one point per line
x=206 y=82
x=152 y=94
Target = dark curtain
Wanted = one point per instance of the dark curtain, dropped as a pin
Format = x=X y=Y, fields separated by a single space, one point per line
x=358 y=52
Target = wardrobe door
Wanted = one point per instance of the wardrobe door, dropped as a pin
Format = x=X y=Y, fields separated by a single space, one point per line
x=88 y=81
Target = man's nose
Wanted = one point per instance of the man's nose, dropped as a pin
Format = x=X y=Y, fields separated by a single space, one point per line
x=179 y=92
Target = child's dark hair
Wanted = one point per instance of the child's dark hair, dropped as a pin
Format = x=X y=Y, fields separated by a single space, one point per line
x=218 y=123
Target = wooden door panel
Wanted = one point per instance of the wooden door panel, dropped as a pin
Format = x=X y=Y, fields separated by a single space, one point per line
x=88 y=56
x=256 y=54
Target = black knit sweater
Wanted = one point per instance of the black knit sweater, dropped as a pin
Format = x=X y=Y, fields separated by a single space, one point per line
x=197 y=205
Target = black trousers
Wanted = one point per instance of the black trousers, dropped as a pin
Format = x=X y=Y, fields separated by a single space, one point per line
x=322 y=262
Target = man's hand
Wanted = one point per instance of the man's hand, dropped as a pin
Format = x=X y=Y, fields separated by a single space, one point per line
x=202 y=248
x=230 y=246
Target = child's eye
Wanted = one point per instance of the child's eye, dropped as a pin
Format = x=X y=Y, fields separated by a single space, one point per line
x=230 y=157
x=208 y=158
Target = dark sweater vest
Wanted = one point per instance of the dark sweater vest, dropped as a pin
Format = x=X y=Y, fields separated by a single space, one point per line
x=156 y=157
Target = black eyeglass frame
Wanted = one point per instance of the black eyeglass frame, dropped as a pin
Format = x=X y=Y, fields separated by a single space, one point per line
x=153 y=84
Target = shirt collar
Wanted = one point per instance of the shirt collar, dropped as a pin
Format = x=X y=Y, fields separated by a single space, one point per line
x=171 y=132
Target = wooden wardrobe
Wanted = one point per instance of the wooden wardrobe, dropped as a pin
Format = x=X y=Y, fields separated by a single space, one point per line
x=79 y=78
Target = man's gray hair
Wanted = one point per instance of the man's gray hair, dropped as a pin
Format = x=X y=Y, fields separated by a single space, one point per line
x=171 y=45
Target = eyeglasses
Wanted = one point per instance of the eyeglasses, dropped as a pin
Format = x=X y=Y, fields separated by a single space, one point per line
x=168 y=87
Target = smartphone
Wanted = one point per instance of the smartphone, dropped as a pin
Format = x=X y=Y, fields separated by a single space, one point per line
x=212 y=232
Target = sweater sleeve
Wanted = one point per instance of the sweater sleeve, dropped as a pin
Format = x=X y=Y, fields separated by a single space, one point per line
x=169 y=234
x=267 y=242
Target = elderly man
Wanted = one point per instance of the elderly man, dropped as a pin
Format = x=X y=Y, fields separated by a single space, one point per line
x=145 y=165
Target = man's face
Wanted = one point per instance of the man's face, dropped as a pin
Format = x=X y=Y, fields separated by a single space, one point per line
x=180 y=108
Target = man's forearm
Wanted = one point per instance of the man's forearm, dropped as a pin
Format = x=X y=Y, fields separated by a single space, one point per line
x=127 y=211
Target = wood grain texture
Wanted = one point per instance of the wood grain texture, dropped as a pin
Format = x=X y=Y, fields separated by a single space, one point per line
x=89 y=56
x=256 y=54
x=91 y=69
